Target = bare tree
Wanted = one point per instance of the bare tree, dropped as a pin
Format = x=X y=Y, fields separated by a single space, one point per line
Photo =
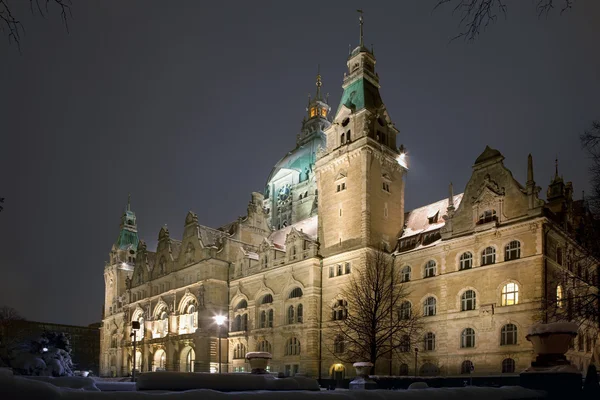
x=9 y=314
x=479 y=14
x=12 y=25
x=371 y=320
x=1 y=202
x=590 y=140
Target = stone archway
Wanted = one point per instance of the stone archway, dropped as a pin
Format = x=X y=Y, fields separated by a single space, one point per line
x=186 y=359
x=160 y=360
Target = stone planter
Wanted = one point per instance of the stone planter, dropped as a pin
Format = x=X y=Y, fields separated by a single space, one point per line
x=551 y=342
x=362 y=380
x=85 y=373
x=259 y=361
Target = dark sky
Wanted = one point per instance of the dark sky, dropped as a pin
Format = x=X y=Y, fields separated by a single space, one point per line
x=189 y=104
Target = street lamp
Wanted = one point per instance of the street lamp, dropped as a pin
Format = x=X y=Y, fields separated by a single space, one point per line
x=219 y=320
x=416 y=357
x=135 y=325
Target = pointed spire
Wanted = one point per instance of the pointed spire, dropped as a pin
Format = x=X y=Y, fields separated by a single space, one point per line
x=360 y=19
x=530 y=169
x=129 y=202
x=318 y=83
x=450 y=197
x=556 y=168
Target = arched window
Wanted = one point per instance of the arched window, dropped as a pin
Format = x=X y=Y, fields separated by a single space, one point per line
x=340 y=310
x=292 y=347
x=508 y=335
x=189 y=360
x=263 y=319
x=270 y=318
x=512 y=250
x=241 y=305
x=488 y=256
x=559 y=296
x=429 y=307
x=267 y=299
x=290 y=315
x=508 y=366
x=429 y=343
x=467 y=338
x=487 y=216
x=466 y=261
x=430 y=269
x=338 y=344
x=165 y=323
x=510 y=294
x=141 y=331
x=296 y=292
x=264 y=346
x=405 y=310
x=405 y=274
x=467 y=300
x=403 y=369
x=237 y=324
x=239 y=351
x=299 y=312
x=466 y=367
x=244 y=322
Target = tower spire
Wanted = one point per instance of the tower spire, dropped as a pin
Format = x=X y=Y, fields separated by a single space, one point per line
x=530 y=170
x=360 y=19
x=318 y=83
x=450 y=198
x=129 y=202
x=556 y=168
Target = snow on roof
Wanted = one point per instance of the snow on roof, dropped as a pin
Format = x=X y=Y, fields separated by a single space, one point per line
x=307 y=226
x=417 y=220
x=209 y=236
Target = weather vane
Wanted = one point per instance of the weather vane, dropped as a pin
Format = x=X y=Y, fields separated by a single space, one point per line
x=360 y=19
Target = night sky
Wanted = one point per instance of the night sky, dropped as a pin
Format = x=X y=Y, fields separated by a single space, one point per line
x=187 y=105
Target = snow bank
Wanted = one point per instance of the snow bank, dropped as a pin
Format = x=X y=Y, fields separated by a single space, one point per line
x=555 y=327
x=15 y=388
x=72 y=382
x=112 y=386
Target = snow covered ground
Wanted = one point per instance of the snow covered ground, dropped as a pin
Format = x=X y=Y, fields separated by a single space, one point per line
x=79 y=388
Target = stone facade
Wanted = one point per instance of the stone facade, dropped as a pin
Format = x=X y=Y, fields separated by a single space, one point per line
x=480 y=265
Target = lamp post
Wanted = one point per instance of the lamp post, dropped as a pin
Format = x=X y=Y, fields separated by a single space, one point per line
x=416 y=357
x=135 y=325
x=219 y=320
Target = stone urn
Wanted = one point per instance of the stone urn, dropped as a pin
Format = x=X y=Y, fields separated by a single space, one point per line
x=551 y=342
x=362 y=380
x=259 y=360
x=85 y=373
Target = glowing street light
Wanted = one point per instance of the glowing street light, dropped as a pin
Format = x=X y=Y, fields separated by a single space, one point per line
x=220 y=320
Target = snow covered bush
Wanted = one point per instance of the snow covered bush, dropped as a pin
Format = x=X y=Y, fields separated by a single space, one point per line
x=49 y=355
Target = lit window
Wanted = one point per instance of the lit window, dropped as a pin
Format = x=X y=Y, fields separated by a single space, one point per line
x=430 y=269
x=467 y=301
x=508 y=335
x=429 y=343
x=488 y=256
x=323 y=112
x=313 y=112
x=512 y=251
x=510 y=294
x=559 y=297
x=405 y=274
x=264 y=346
x=292 y=347
x=429 y=307
x=467 y=338
x=466 y=261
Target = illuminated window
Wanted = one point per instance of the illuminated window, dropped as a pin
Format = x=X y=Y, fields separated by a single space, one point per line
x=488 y=256
x=313 y=112
x=510 y=294
x=292 y=347
x=466 y=261
x=559 y=297
x=512 y=251
x=323 y=112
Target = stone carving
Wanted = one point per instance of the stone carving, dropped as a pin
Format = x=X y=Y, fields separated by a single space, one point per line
x=201 y=291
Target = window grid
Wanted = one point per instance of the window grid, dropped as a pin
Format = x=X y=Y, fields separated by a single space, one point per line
x=512 y=251
x=429 y=344
x=488 y=256
x=430 y=269
x=467 y=338
x=510 y=294
x=467 y=300
x=405 y=274
x=466 y=261
x=508 y=335
x=429 y=307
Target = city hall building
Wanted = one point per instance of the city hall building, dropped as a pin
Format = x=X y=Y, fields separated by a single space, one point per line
x=479 y=264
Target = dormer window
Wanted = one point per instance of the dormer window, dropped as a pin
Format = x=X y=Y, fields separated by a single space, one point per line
x=341 y=186
x=432 y=219
x=323 y=112
x=487 y=216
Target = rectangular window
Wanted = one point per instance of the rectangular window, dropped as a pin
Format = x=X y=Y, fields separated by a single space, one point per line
x=338 y=188
x=339 y=269
x=331 y=272
x=347 y=268
x=343 y=185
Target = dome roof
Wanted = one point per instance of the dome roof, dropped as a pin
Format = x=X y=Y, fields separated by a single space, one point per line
x=299 y=159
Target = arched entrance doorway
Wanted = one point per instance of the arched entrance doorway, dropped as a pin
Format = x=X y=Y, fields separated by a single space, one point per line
x=138 y=360
x=338 y=373
x=160 y=360
x=186 y=360
x=113 y=366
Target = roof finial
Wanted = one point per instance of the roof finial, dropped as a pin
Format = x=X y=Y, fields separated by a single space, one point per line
x=360 y=19
x=129 y=202
x=450 y=197
x=318 y=97
x=530 y=180
x=556 y=168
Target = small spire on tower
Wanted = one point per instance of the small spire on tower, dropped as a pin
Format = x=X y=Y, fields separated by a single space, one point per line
x=530 y=169
x=556 y=168
x=129 y=202
x=319 y=84
x=360 y=19
x=450 y=197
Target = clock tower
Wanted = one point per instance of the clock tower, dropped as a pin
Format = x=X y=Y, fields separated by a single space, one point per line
x=361 y=173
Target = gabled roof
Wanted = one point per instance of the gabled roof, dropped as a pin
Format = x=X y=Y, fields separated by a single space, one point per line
x=307 y=226
x=417 y=220
x=210 y=236
x=488 y=154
